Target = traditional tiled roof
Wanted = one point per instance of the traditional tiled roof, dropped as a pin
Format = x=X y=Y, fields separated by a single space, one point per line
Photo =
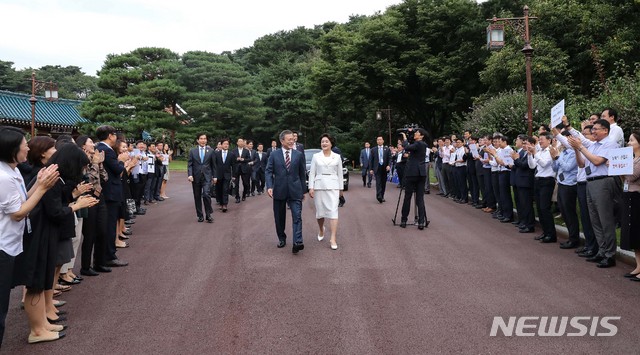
x=15 y=108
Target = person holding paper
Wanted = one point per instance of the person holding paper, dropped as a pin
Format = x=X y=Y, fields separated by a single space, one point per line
x=566 y=168
x=544 y=185
x=630 y=207
x=602 y=190
x=505 y=161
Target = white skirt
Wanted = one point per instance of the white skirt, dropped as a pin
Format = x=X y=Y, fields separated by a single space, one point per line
x=326 y=202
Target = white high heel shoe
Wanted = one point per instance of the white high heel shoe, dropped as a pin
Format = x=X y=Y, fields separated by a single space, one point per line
x=321 y=237
x=334 y=246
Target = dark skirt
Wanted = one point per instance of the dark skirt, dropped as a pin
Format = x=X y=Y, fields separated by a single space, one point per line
x=65 y=251
x=630 y=215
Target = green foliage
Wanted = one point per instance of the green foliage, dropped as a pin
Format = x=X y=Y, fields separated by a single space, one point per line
x=622 y=93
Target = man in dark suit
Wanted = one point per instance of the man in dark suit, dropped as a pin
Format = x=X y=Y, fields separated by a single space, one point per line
x=286 y=183
x=365 y=158
x=224 y=162
x=297 y=146
x=200 y=170
x=415 y=175
x=242 y=170
x=379 y=166
x=259 y=165
x=274 y=146
x=524 y=181
x=112 y=191
x=252 y=175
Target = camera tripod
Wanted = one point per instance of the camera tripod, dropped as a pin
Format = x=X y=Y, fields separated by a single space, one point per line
x=415 y=209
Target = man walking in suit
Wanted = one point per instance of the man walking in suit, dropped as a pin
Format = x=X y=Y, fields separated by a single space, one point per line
x=365 y=157
x=379 y=166
x=414 y=177
x=297 y=146
x=112 y=190
x=200 y=170
x=242 y=170
x=259 y=164
x=252 y=175
x=224 y=162
x=286 y=183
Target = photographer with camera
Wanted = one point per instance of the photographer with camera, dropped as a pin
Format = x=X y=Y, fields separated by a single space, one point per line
x=415 y=175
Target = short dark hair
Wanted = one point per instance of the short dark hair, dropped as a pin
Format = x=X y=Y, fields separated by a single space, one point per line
x=459 y=140
x=140 y=141
x=63 y=139
x=331 y=139
x=71 y=160
x=200 y=135
x=531 y=140
x=588 y=127
x=249 y=141
x=82 y=140
x=224 y=140
x=103 y=132
x=38 y=146
x=612 y=113
x=10 y=141
x=546 y=127
x=523 y=137
x=547 y=135
x=603 y=123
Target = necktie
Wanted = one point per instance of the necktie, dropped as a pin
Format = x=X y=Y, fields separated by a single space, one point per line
x=380 y=155
x=287 y=160
x=224 y=156
x=201 y=155
x=367 y=153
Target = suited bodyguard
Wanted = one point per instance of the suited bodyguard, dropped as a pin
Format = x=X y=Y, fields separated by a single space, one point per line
x=201 y=173
x=379 y=166
x=365 y=158
x=415 y=176
x=286 y=183
x=225 y=165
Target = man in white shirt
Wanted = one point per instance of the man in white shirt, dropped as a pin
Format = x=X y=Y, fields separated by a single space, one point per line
x=460 y=172
x=447 y=169
x=544 y=186
x=616 y=134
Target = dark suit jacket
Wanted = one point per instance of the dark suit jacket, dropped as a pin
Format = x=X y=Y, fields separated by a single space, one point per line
x=112 y=188
x=260 y=164
x=202 y=171
x=224 y=170
x=416 y=165
x=299 y=147
x=286 y=184
x=242 y=167
x=364 y=161
x=374 y=160
x=524 y=176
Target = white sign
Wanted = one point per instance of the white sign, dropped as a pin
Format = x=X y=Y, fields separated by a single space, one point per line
x=474 y=150
x=621 y=161
x=556 y=114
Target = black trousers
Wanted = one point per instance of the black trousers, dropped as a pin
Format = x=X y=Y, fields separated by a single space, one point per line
x=460 y=177
x=587 y=228
x=489 y=196
x=138 y=191
x=113 y=210
x=516 y=200
x=246 y=184
x=525 y=207
x=260 y=181
x=414 y=185
x=202 y=196
x=222 y=191
x=472 y=179
x=543 y=193
x=400 y=171
x=480 y=172
x=448 y=179
x=94 y=229
x=506 y=202
x=495 y=184
x=6 y=280
x=567 y=201
x=381 y=182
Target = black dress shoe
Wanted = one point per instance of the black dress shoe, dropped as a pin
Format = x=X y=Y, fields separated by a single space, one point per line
x=527 y=230
x=587 y=254
x=88 y=272
x=200 y=219
x=420 y=226
x=569 y=245
x=55 y=321
x=516 y=223
x=595 y=259
x=130 y=221
x=379 y=199
x=607 y=262
x=403 y=224
x=116 y=263
x=101 y=268
x=548 y=239
x=127 y=232
x=580 y=250
x=64 y=282
x=237 y=199
x=224 y=208
x=635 y=279
x=209 y=219
x=506 y=220
x=427 y=192
x=281 y=244
x=630 y=275
x=540 y=237
x=244 y=198
x=297 y=247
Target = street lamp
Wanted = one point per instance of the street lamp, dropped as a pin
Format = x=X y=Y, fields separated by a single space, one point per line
x=50 y=94
x=495 y=40
x=379 y=118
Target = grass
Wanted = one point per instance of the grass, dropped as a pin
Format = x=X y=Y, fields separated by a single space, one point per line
x=178 y=165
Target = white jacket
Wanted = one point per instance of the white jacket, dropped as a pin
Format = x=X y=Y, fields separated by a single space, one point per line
x=325 y=173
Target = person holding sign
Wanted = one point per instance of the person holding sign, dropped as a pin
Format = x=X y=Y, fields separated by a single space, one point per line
x=630 y=207
x=602 y=189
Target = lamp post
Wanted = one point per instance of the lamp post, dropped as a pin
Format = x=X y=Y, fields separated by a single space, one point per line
x=495 y=40
x=379 y=118
x=50 y=94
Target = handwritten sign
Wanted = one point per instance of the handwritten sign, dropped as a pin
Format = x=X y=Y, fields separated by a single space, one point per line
x=556 y=114
x=474 y=150
x=621 y=161
x=505 y=155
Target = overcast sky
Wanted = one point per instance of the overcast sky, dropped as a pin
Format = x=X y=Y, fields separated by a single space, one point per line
x=83 y=32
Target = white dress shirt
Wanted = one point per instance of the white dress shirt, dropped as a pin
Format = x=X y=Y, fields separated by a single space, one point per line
x=542 y=162
x=616 y=135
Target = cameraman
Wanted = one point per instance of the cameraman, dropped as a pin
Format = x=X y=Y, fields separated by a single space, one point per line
x=415 y=175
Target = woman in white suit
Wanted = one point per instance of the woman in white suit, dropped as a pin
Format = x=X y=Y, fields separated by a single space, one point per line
x=325 y=184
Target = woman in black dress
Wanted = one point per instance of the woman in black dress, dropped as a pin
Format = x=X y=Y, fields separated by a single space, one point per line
x=630 y=208
x=51 y=220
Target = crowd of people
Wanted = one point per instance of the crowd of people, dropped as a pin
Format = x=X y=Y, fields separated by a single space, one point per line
x=561 y=166
x=60 y=196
